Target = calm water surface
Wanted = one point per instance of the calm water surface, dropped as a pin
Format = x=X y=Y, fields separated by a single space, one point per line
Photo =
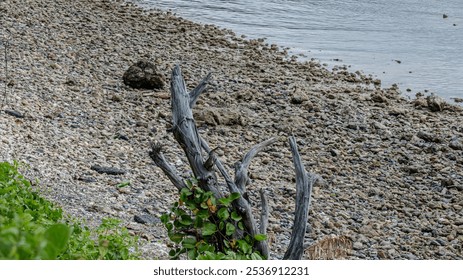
x=369 y=35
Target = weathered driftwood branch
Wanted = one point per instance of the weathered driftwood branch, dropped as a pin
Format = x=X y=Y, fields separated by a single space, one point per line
x=186 y=134
x=304 y=184
x=202 y=160
x=158 y=157
x=194 y=94
x=264 y=213
x=241 y=168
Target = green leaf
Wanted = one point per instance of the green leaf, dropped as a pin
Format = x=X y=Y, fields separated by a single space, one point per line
x=191 y=204
x=186 y=220
x=230 y=229
x=165 y=218
x=244 y=246
x=256 y=257
x=192 y=254
x=205 y=247
x=241 y=225
x=203 y=213
x=235 y=216
x=225 y=201
x=189 y=242
x=123 y=184
x=199 y=222
x=172 y=252
x=234 y=196
x=184 y=193
x=260 y=237
x=223 y=214
x=57 y=237
x=209 y=229
x=176 y=237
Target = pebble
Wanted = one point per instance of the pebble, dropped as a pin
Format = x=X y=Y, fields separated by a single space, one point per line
x=390 y=167
x=107 y=170
x=146 y=219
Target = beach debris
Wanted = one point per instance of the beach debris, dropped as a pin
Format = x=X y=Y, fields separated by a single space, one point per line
x=146 y=219
x=145 y=75
x=107 y=170
x=15 y=114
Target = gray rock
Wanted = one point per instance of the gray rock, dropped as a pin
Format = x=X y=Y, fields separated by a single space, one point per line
x=15 y=114
x=146 y=219
x=357 y=246
x=456 y=144
x=435 y=103
x=143 y=74
x=107 y=170
x=429 y=137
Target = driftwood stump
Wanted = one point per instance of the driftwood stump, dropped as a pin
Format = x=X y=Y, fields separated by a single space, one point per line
x=203 y=162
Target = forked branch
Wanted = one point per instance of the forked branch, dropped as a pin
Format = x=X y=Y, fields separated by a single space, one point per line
x=202 y=161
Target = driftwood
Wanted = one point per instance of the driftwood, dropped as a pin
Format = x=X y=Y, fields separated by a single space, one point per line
x=304 y=185
x=202 y=160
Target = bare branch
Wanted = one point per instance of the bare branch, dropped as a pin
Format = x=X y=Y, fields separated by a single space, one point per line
x=194 y=94
x=158 y=157
x=186 y=134
x=230 y=184
x=304 y=183
x=241 y=173
x=242 y=206
x=264 y=213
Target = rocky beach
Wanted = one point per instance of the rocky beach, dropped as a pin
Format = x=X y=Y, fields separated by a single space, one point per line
x=392 y=168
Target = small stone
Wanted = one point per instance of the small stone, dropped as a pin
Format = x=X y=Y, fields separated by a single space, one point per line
x=379 y=98
x=357 y=246
x=298 y=99
x=428 y=137
x=15 y=114
x=334 y=152
x=146 y=219
x=456 y=145
x=86 y=179
x=447 y=182
x=107 y=170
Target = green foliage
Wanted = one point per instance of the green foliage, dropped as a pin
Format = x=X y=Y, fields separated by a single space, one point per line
x=123 y=184
x=33 y=228
x=203 y=228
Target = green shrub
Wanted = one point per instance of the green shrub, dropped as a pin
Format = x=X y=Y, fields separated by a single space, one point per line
x=206 y=229
x=31 y=227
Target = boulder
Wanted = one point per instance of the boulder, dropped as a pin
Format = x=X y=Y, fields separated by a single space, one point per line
x=435 y=103
x=145 y=75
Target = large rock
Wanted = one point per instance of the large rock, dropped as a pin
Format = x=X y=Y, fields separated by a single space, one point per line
x=143 y=74
x=435 y=103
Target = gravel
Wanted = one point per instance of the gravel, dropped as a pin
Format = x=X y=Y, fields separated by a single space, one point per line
x=392 y=168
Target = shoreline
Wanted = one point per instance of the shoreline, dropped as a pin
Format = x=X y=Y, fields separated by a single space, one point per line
x=411 y=81
x=392 y=168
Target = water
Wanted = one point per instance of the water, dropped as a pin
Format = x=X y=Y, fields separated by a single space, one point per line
x=370 y=35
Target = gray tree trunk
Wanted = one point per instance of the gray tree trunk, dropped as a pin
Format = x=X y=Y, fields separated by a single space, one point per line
x=202 y=161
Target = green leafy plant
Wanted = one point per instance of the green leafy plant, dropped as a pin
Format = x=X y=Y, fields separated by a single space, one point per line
x=205 y=228
x=31 y=227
